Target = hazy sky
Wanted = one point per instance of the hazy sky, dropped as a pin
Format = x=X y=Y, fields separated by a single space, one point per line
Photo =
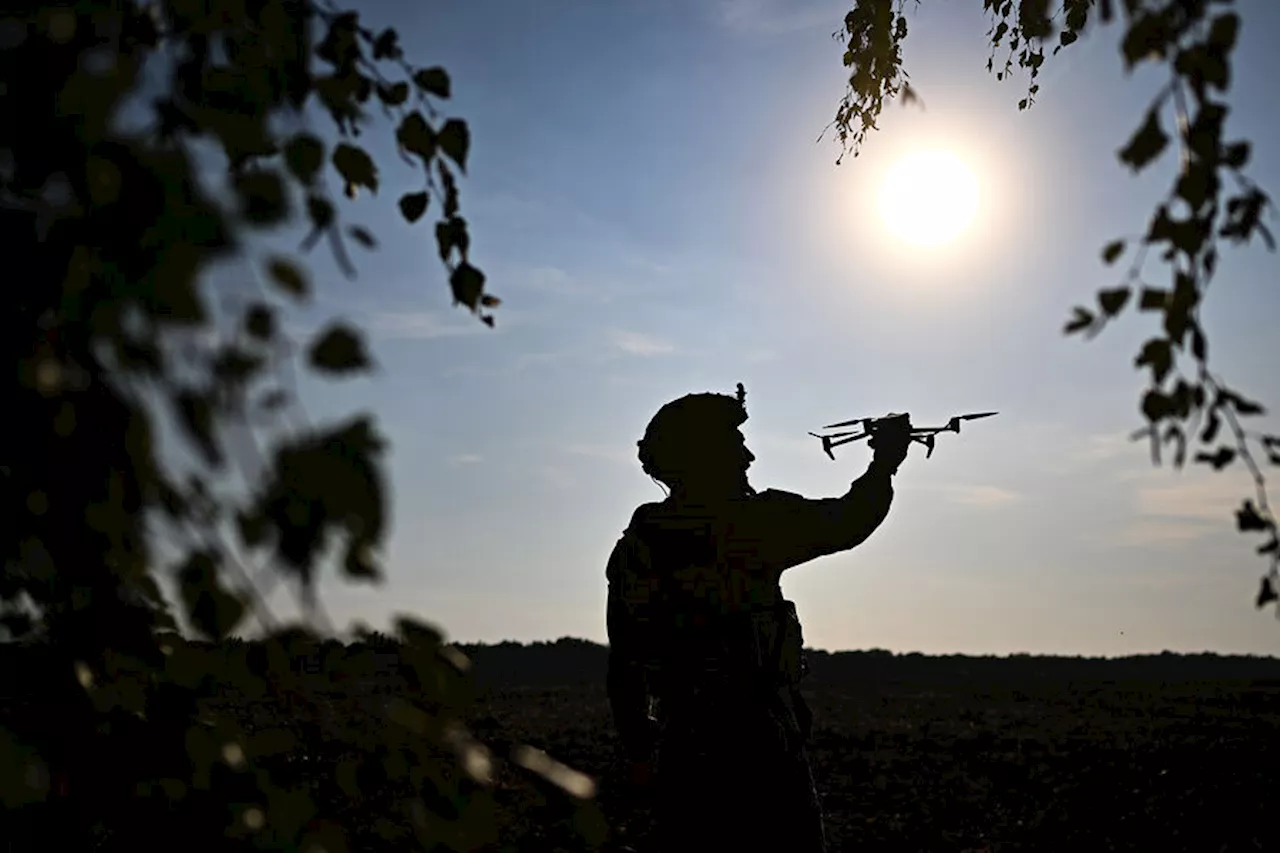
x=646 y=194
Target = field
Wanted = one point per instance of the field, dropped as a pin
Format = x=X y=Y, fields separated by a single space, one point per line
x=1152 y=766
x=910 y=753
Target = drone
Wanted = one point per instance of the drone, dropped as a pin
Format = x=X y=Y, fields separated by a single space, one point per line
x=870 y=426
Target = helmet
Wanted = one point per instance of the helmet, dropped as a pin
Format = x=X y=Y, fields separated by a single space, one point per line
x=682 y=426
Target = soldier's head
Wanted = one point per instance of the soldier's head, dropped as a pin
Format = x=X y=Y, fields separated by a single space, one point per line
x=695 y=447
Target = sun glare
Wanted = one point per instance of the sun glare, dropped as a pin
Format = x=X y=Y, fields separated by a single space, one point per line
x=929 y=198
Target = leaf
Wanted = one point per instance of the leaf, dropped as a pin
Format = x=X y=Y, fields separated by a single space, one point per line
x=339 y=350
x=1153 y=299
x=1247 y=518
x=259 y=322
x=395 y=94
x=288 y=277
x=1218 y=460
x=412 y=206
x=1146 y=144
x=1156 y=405
x=210 y=608
x=1157 y=354
x=455 y=140
x=416 y=136
x=1081 y=320
x=1112 y=251
x=1235 y=155
x=1113 y=301
x=320 y=481
x=196 y=415
x=387 y=45
x=356 y=166
x=362 y=236
x=304 y=155
x=1223 y=32
x=1247 y=407
x=433 y=81
x=1199 y=345
x=262 y=198
x=1211 y=428
x=1267 y=593
x=467 y=284
x=452 y=234
x=320 y=212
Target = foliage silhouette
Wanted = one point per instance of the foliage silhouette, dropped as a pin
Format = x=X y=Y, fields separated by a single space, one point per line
x=118 y=344
x=1212 y=202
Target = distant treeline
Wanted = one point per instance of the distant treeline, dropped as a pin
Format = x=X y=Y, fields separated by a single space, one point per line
x=573 y=661
x=570 y=661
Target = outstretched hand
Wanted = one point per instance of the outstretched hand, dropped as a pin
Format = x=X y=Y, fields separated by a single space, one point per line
x=890 y=444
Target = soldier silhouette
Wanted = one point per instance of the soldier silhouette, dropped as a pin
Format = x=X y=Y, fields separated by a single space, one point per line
x=705 y=654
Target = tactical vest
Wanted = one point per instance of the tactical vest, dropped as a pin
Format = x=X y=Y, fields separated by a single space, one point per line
x=712 y=624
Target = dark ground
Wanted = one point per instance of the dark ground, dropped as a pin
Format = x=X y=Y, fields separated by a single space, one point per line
x=1082 y=766
x=910 y=753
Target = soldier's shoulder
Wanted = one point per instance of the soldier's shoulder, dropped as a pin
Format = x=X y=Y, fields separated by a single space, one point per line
x=776 y=496
x=645 y=514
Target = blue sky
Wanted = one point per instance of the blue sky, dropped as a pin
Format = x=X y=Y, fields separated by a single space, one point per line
x=646 y=195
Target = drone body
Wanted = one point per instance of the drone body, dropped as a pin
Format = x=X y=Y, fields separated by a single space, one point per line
x=901 y=421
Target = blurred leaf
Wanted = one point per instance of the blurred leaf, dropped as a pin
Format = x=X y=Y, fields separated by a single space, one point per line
x=1247 y=518
x=1113 y=301
x=1153 y=299
x=356 y=166
x=362 y=236
x=1158 y=355
x=455 y=140
x=1081 y=319
x=1218 y=460
x=452 y=234
x=1146 y=144
x=259 y=321
x=195 y=413
x=1112 y=251
x=339 y=349
x=395 y=94
x=468 y=284
x=262 y=198
x=416 y=137
x=413 y=205
x=1236 y=155
x=211 y=609
x=1267 y=593
x=1223 y=32
x=433 y=81
x=288 y=277
x=304 y=155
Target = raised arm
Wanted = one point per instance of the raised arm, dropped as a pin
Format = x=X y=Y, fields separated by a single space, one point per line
x=794 y=530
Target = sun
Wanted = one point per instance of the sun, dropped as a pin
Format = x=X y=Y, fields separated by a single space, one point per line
x=928 y=198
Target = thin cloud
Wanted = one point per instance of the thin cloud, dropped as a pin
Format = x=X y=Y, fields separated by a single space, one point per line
x=976 y=495
x=422 y=325
x=634 y=343
x=466 y=459
x=776 y=17
x=1153 y=532
x=1211 y=499
x=556 y=477
x=597 y=452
